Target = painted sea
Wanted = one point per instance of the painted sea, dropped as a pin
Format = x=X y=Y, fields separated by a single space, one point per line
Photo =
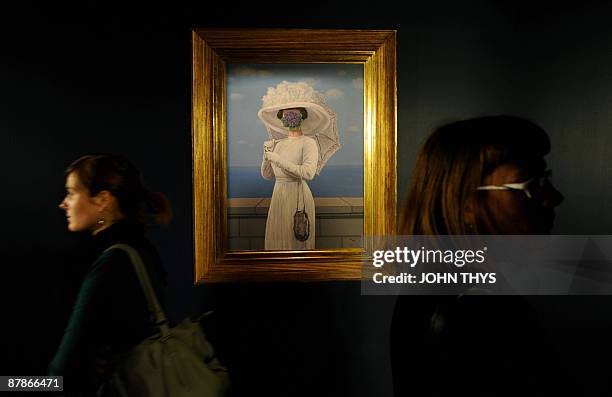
x=334 y=181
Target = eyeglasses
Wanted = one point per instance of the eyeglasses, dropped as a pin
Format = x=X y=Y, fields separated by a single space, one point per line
x=532 y=187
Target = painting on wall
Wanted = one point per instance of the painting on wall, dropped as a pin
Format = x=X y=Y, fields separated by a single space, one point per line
x=295 y=143
x=293 y=152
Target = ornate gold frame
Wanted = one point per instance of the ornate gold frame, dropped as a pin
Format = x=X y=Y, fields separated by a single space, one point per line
x=212 y=51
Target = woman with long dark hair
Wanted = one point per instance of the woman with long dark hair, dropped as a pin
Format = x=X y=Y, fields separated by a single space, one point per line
x=478 y=176
x=106 y=197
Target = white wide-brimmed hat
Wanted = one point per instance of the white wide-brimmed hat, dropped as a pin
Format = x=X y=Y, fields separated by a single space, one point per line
x=288 y=95
x=320 y=124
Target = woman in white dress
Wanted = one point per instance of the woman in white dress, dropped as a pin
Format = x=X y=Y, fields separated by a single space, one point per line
x=291 y=161
x=303 y=136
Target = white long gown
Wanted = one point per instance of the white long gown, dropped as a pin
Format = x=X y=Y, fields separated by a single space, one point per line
x=298 y=162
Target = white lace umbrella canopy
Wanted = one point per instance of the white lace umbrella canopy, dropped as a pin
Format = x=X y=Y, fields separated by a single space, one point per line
x=320 y=124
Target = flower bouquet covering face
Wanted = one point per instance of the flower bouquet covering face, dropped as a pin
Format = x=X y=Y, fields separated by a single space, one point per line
x=292 y=119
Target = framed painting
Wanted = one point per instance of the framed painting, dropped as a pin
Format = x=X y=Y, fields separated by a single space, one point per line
x=294 y=158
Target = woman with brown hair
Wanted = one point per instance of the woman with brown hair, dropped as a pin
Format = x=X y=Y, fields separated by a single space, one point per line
x=479 y=176
x=482 y=176
x=106 y=197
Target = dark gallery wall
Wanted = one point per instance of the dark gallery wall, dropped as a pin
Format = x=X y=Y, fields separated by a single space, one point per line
x=102 y=78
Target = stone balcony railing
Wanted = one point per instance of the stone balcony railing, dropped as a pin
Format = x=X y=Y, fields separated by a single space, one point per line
x=338 y=222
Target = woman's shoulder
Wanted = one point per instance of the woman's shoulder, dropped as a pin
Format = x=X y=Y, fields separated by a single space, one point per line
x=120 y=252
x=110 y=260
x=117 y=261
x=113 y=254
x=303 y=140
x=309 y=141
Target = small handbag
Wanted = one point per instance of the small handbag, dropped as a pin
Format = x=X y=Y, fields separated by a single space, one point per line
x=176 y=362
x=301 y=224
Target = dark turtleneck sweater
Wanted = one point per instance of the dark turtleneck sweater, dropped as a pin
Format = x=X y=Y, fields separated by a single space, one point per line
x=110 y=314
x=479 y=345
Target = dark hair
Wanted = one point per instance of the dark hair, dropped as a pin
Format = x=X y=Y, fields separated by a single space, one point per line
x=116 y=174
x=304 y=112
x=453 y=162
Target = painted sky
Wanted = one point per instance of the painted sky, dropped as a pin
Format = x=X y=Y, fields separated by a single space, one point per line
x=341 y=84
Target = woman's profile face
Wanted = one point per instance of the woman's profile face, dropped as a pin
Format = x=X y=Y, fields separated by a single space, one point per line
x=82 y=212
x=513 y=211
